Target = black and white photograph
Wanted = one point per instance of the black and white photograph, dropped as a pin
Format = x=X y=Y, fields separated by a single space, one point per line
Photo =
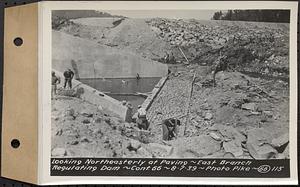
x=170 y=84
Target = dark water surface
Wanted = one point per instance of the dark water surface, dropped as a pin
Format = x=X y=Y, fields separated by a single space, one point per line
x=124 y=86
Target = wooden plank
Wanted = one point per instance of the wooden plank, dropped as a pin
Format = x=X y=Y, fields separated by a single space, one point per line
x=187 y=60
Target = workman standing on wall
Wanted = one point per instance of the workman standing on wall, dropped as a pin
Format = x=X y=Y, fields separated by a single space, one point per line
x=69 y=74
x=54 y=82
x=138 y=77
x=166 y=58
x=170 y=128
x=142 y=118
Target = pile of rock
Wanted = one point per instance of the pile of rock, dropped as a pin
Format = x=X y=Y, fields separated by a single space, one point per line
x=241 y=44
x=256 y=143
x=189 y=32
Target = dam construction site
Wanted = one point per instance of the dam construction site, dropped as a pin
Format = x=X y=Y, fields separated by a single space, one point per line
x=166 y=66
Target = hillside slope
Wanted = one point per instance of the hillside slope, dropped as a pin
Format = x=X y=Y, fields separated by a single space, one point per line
x=248 y=46
x=132 y=34
x=86 y=56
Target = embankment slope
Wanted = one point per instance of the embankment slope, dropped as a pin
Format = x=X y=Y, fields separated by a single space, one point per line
x=92 y=60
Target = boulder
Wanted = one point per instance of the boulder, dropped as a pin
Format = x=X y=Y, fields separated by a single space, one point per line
x=84 y=139
x=134 y=145
x=233 y=147
x=198 y=145
x=215 y=136
x=75 y=142
x=159 y=150
x=249 y=106
x=97 y=131
x=208 y=116
x=258 y=144
x=268 y=113
x=87 y=113
x=100 y=108
x=264 y=151
x=228 y=132
x=218 y=154
x=281 y=140
x=143 y=153
x=98 y=120
x=185 y=153
x=59 y=152
x=86 y=121
x=228 y=155
x=128 y=125
x=115 y=121
x=106 y=139
x=70 y=117
x=70 y=112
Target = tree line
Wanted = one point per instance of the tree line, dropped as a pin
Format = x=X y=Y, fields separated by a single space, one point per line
x=279 y=16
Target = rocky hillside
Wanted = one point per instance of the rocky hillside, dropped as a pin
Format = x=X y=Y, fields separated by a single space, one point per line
x=242 y=117
x=249 y=46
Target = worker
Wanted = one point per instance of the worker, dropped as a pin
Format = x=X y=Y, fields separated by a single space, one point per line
x=220 y=65
x=172 y=58
x=55 y=81
x=170 y=128
x=166 y=58
x=138 y=76
x=142 y=118
x=69 y=74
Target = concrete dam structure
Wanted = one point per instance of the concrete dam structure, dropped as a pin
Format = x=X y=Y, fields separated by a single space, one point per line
x=89 y=59
x=98 y=98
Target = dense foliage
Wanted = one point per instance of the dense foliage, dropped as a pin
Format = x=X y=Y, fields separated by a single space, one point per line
x=280 y=16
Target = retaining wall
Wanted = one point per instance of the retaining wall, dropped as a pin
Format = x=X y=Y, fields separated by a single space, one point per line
x=147 y=103
x=96 y=97
x=91 y=60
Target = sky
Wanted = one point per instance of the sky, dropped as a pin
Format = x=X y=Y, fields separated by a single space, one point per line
x=173 y=14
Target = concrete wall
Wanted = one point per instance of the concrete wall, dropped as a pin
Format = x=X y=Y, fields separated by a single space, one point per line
x=148 y=102
x=92 y=60
x=93 y=96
